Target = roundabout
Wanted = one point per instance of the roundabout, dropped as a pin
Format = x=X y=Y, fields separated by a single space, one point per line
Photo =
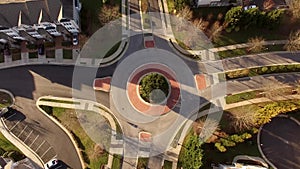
x=169 y=100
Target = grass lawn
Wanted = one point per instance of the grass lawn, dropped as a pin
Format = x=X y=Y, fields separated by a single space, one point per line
x=142 y=163
x=242 y=36
x=7 y=145
x=5 y=100
x=262 y=71
x=167 y=164
x=117 y=162
x=113 y=49
x=146 y=21
x=89 y=14
x=92 y=155
x=241 y=97
x=60 y=101
x=213 y=156
x=243 y=51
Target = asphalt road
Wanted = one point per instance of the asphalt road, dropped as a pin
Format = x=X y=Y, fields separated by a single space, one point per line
x=280 y=143
x=28 y=83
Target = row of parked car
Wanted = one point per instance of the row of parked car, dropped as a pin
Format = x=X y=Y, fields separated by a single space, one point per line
x=42 y=31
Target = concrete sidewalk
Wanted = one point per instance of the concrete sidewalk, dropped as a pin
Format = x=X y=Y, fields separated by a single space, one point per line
x=116 y=144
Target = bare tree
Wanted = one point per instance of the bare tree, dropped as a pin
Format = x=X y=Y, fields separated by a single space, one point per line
x=185 y=13
x=215 y=31
x=294 y=6
x=256 y=44
x=108 y=13
x=294 y=41
x=205 y=128
x=268 y=4
x=201 y=24
x=243 y=120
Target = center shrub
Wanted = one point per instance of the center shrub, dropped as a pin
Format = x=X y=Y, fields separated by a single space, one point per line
x=154 y=88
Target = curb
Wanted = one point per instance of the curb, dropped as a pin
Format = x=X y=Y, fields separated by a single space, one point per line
x=15 y=137
x=24 y=145
x=10 y=94
x=65 y=130
x=260 y=150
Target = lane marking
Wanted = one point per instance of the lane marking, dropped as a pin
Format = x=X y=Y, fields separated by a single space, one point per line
x=28 y=136
x=40 y=146
x=22 y=131
x=34 y=140
x=14 y=126
x=45 y=152
x=9 y=116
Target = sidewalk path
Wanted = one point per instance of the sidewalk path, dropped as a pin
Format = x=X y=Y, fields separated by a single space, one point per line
x=245 y=45
x=116 y=145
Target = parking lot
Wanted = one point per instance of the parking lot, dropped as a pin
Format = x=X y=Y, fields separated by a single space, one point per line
x=29 y=135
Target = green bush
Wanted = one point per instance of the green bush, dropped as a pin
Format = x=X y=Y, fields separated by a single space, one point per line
x=265 y=114
x=246 y=136
x=151 y=82
x=236 y=138
x=220 y=147
x=227 y=142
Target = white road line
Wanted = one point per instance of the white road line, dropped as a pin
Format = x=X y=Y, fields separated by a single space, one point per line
x=14 y=125
x=40 y=146
x=45 y=152
x=28 y=136
x=9 y=117
x=54 y=156
x=22 y=131
x=34 y=140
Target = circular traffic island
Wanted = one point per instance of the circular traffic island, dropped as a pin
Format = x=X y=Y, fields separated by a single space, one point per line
x=154 y=88
x=6 y=100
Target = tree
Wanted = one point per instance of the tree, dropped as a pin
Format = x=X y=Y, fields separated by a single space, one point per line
x=193 y=153
x=108 y=13
x=185 y=13
x=151 y=82
x=215 y=31
x=293 y=42
x=294 y=7
x=268 y=4
x=205 y=128
x=233 y=17
x=256 y=44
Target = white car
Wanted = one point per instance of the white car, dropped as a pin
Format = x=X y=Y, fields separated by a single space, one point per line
x=51 y=164
x=249 y=7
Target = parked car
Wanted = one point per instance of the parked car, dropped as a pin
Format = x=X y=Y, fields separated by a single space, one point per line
x=75 y=39
x=249 y=7
x=51 y=164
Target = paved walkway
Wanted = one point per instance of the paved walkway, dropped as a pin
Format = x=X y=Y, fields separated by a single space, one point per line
x=116 y=145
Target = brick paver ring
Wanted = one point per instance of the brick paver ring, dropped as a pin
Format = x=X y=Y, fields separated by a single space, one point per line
x=153 y=109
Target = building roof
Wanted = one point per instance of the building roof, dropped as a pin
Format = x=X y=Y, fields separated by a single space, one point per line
x=29 y=12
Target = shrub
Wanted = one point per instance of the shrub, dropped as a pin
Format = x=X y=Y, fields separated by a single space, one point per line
x=246 y=136
x=227 y=142
x=236 y=138
x=220 y=147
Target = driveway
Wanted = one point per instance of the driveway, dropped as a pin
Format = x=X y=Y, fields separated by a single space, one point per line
x=280 y=143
